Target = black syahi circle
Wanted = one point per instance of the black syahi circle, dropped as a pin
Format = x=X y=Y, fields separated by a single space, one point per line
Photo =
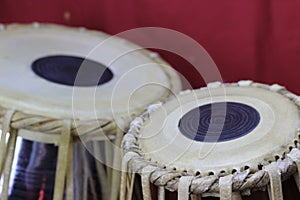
x=63 y=69
x=219 y=122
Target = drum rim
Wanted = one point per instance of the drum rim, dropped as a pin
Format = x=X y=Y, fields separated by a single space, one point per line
x=104 y=118
x=136 y=162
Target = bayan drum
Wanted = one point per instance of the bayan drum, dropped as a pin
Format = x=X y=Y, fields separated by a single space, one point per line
x=227 y=141
x=60 y=86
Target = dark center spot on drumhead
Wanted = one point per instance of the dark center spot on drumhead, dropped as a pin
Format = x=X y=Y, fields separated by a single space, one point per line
x=219 y=122
x=72 y=71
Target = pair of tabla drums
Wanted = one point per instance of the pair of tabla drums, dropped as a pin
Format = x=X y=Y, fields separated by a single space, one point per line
x=227 y=141
x=63 y=90
x=222 y=141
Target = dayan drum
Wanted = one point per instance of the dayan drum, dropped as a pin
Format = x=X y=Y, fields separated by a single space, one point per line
x=232 y=141
x=60 y=86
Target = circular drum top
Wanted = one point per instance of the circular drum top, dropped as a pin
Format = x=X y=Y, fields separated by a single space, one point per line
x=220 y=128
x=61 y=72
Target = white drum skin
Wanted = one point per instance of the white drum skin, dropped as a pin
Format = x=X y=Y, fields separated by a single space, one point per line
x=133 y=68
x=43 y=110
x=159 y=149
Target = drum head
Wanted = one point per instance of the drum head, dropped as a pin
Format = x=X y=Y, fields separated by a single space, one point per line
x=60 y=72
x=220 y=129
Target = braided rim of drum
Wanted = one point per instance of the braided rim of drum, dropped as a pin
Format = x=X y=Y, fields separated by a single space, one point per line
x=245 y=181
x=21 y=120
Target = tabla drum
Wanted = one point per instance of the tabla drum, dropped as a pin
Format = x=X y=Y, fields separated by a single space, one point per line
x=62 y=85
x=227 y=141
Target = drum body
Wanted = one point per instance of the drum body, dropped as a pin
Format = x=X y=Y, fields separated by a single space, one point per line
x=227 y=141
x=67 y=96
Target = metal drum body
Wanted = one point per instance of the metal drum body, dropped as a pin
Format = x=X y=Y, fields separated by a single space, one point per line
x=67 y=96
x=227 y=141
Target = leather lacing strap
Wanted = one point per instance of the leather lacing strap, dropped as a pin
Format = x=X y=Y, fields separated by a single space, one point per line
x=195 y=197
x=161 y=193
x=117 y=155
x=8 y=163
x=130 y=186
x=184 y=187
x=126 y=158
x=225 y=184
x=7 y=151
x=236 y=196
x=70 y=174
x=5 y=129
x=146 y=183
x=274 y=188
x=62 y=161
x=295 y=156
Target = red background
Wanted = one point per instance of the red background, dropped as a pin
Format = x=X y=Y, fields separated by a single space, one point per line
x=255 y=39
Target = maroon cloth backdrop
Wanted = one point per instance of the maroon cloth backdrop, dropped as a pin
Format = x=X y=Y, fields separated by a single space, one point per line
x=255 y=39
